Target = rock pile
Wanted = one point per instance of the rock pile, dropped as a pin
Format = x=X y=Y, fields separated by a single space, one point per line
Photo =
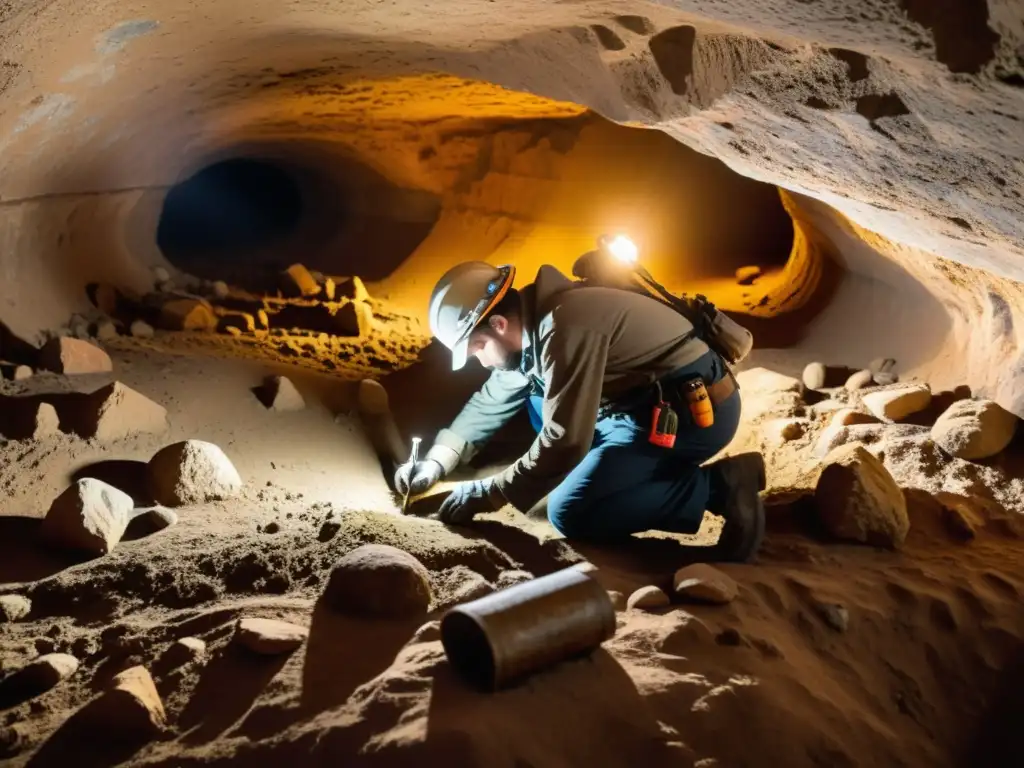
x=303 y=302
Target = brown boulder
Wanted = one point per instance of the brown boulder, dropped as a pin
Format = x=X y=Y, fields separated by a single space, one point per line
x=192 y=472
x=858 y=500
x=379 y=580
x=974 y=429
x=113 y=412
x=90 y=517
x=74 y=356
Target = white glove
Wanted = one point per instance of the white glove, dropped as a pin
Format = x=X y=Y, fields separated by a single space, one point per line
x=424 y=476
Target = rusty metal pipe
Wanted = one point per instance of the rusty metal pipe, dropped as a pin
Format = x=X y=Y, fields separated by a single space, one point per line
x=500 y=639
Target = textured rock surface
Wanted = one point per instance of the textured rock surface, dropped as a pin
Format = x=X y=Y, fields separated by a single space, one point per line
x=192 y=472
x=89 y=517
x=857 y=499
x=974 y=429
x=74 y=356
x=114 y=412
x=14 y=607
x=379 y=580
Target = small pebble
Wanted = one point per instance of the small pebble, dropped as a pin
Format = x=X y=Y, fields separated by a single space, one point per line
x=814 y=375
x=835 y=615
x=858 y=380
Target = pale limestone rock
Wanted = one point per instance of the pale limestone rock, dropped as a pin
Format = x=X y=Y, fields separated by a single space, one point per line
x=974 y=429
x=898 y=403
x=192 y=472
x=90 y=517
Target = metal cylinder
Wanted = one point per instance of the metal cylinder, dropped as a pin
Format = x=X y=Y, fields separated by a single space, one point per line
x=499 y=639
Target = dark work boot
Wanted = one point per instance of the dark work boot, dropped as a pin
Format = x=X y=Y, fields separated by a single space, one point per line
x=736 y=482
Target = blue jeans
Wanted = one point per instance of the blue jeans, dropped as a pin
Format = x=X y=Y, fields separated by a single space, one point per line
x=625 y=485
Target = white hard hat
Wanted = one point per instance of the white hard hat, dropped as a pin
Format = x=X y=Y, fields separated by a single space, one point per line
x=461 y=299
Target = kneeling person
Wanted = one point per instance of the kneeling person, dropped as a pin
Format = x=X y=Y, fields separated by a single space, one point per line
x=590 y=363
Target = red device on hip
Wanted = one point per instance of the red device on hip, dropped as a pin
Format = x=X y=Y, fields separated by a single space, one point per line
x=664 y=423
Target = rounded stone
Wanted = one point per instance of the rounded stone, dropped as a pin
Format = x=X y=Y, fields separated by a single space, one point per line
x=192 y=472
x=379 y=580
x=648 y=598
x=814 y=375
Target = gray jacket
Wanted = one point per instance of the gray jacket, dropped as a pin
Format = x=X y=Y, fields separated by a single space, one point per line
x=582 y=345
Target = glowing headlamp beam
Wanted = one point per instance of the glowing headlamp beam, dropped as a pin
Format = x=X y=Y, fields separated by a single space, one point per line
x=623 y=249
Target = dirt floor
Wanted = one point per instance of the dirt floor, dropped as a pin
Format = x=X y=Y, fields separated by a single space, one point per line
x=831 y=654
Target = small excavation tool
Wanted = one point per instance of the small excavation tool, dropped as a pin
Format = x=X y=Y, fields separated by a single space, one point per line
x=413 y=458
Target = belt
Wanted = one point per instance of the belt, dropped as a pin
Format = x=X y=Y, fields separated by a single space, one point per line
x=717 y=392
x=722 y=389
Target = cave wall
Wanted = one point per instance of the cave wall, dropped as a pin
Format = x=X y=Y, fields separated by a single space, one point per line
x=904 y=119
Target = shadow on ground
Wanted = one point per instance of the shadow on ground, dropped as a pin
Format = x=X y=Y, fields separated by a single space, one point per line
x=22 y=557
x=125 y=475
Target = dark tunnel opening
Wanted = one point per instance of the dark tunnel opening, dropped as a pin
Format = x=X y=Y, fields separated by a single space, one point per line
x=230 y=207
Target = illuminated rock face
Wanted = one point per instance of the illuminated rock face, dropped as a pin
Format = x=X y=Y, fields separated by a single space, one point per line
x=410 y=142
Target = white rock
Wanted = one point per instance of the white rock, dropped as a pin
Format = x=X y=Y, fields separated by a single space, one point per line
x=896 y=404
x=22 y=372
x=140 y=329
x=192 y=472
x=14 y=607
x=89 y=517
x=974 y=429
x=814 y=375
x=161 y=275
x=881 y=365
x=858 y=380
x=220 y=289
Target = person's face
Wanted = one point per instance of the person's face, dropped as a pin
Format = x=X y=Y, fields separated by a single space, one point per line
x=497 y=344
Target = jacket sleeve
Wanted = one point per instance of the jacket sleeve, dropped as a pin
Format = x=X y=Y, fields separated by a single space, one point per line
x=485 y=413
x=573 y=361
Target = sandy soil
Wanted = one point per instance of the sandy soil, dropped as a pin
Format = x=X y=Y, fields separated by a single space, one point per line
x=925 y=672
